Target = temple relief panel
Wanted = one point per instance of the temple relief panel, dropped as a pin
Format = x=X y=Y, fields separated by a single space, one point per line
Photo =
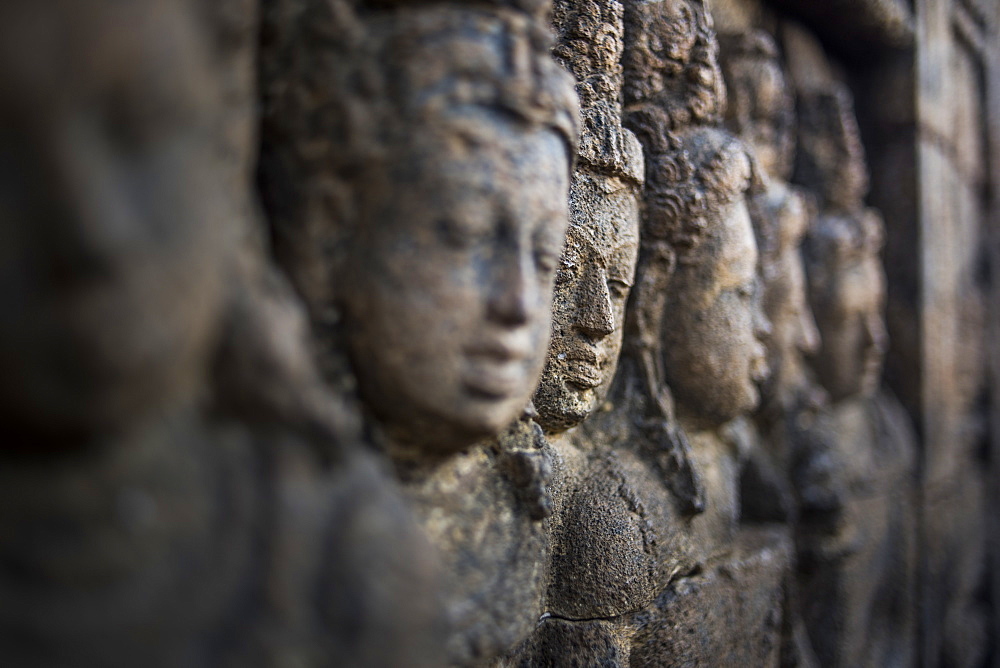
x=439 y=333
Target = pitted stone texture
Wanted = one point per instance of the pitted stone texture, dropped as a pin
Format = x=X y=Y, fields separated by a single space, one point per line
x=729 y=614
x=560 y=643
x=494 y=553
x=671 y=65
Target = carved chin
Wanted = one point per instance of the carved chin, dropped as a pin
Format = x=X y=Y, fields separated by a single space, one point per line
x=718 y=407
x=453 y=427
x=562 y=403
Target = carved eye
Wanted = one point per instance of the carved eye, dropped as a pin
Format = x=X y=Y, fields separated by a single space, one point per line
x=128 y=123
x=456 y=234
x=546 y=261
x=619 y=289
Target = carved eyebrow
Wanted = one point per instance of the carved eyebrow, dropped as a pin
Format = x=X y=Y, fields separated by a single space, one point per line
x=622 y=280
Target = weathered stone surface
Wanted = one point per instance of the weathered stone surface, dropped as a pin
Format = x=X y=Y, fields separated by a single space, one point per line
x=574 y=644
x=495 y=333
x=729 y=614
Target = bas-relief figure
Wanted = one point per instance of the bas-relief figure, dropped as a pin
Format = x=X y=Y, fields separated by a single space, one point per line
x=592 y=286
x=713 y=360
x=150 y=515
x=367 y=457
x=632 y=482
x=728 y=357
x=449 y=235
x=761 y=110
x=853 y=469
x=460 y=327
x=115 y=225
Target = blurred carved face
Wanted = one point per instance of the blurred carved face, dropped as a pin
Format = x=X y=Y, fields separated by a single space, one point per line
x=449 y=297
x=112 y=211
x=712 y=324
x=591 y=290
x=793 y=328
x=854 y=340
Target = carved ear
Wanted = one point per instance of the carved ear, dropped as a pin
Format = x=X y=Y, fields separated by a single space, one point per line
x=686 y=483
x=657 y=261
x=671 y=453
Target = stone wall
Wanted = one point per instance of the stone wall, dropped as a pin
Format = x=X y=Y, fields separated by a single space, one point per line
x=499 y=333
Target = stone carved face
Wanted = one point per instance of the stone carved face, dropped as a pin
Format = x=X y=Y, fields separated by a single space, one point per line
x=450 y=292
x=591 y=290
x=848 y=297
x=112 y=210
x=713 y=325
x=793 y=328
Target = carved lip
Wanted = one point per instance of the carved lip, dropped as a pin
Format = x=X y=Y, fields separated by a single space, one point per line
x=872 y=369
x=498 y=350
x=584 y=368
x=494 y=380
x=759 y=370
x=495 y=367
x=585 y=378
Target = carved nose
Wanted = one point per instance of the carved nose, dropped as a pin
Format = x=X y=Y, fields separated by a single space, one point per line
x=761 y=325
x=875 y=334
x=595 y=314
x=510 y=295
x=808 y=332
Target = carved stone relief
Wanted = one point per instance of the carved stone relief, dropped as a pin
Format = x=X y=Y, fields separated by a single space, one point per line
x=488 y=333
x=855 y=467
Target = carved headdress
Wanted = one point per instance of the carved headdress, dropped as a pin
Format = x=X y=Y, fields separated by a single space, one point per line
x=432 y=63
x=345 y=89
x=671 y=64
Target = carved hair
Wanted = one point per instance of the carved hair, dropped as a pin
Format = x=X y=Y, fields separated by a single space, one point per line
x=589 y=44
x=780 y=217
x=749 y=60
x=830 y=159
x=427 y=65
x=687 y=185
x=671 y=61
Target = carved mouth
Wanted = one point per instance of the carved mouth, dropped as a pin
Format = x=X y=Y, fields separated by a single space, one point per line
x=495 y=370
x=494 y=381
x=583 y=376
x=760 y=372
x=873 y=369
x=500 y=350
x=583 y=368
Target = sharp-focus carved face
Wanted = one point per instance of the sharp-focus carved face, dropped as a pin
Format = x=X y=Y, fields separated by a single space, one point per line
x=592 y=286
x=854 y=340
x=449 y=291
x=112 y=208
x=793 y=328
x=712 y=323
